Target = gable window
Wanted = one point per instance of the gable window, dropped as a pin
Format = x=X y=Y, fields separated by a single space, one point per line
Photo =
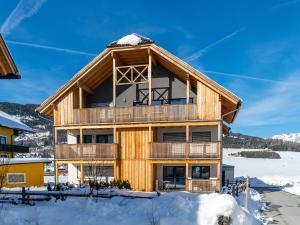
x=16 y=178
x=200 y=172
x=201 y=136
x=106 y=138
x=3 y=140
x=87 y=139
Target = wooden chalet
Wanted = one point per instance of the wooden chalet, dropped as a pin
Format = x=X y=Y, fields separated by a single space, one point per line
x=168 y=139
x=8 y=69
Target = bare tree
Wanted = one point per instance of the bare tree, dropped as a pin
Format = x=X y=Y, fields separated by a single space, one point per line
x=153 y=216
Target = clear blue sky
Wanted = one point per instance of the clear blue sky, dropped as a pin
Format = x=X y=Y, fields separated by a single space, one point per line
x=250 y=47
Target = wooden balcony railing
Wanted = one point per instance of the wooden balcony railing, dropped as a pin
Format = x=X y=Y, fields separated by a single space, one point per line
x=86 y=151
x=201 y=185
x=154 y=113
x=193 y=150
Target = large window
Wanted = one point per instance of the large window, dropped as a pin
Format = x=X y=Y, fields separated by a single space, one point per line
x=2 y=140
x=200 y=172
x=174 y=137
x=107 y=138
x=201 y=136
x=175 y=175
x=16 y=178
x=87 y=139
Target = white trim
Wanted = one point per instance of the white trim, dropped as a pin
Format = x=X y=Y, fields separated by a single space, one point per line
x=24 y=174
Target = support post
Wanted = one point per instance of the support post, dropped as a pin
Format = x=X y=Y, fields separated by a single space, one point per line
x=188 y=86
x=187 y=183
x=81 y=173
x=150 y=78
x=247 y=192
x=80 y=98
x=187 y=140
x=114 y=80
x=56 y=173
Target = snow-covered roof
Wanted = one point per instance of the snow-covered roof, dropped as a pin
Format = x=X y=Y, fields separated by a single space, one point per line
x=10 y=161
x=131 y=40
x=8 y=121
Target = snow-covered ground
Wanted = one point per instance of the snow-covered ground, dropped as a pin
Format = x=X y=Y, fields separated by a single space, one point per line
x=177 y=208
x=284 y=172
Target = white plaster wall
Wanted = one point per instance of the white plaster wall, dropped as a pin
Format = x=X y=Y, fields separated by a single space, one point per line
x=72 y=173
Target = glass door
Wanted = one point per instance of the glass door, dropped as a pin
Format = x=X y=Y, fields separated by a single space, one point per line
x=174 y=176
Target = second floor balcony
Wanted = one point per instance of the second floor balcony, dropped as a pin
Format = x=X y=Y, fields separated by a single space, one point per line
x=132 y=114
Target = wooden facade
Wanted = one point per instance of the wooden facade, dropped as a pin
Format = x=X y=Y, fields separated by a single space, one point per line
x=148 y=138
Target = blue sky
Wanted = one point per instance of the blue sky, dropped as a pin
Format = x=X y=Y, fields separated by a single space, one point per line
x=250 y=47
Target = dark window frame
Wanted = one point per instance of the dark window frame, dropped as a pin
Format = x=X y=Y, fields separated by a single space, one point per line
x=202 y=172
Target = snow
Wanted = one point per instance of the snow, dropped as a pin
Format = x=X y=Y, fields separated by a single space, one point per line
x=131 y=39
x=284 y=172
x=11 y=122
x=25 y=160
x=294 y=137
x=174 y=208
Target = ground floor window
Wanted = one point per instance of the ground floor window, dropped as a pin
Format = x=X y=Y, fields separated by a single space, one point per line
x=16 y=178
x=200 y=172
x=174 y=175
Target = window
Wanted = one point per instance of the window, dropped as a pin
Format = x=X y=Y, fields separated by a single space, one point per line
x=175 y=101
x=3 y=155
x=201 y=136
x=2 y=140
x=16 y=178
x=200 y=172
x=107 y=138
x=174 y=137
x=87 y=139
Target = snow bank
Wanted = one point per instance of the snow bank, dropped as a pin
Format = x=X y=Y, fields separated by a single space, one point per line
x=176 y=208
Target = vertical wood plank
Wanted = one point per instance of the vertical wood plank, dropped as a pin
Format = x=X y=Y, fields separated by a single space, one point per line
x=114 y=80
x=150 y=78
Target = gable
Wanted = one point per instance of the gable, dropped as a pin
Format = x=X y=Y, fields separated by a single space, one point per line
x=8 y=69
x=101 y=68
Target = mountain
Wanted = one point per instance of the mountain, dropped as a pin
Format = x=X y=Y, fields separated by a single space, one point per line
x=40 y=141
x=295 y=137
x=236 y=140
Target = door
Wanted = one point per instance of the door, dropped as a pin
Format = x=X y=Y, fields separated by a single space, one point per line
x=174 y=176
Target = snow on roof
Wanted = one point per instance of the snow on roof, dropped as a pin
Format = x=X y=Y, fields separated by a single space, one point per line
x=8 y=121
x=132 y=40
x=9 y=161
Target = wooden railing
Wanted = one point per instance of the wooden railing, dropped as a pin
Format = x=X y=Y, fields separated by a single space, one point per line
x=201 y=185
x=131 y=114
x=193 y=150
x=86 y=151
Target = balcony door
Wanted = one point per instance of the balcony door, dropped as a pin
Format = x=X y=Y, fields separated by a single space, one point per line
x=174 y=176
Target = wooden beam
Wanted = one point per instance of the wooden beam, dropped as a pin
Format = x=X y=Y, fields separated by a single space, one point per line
x=150 y=79
x=80 y=98
x=81 y=174
x=187 y=176
x=84 y=87
x=81 y=135
x=188 y=87
x=56 y=173
x=114 y=79
x=153 y=56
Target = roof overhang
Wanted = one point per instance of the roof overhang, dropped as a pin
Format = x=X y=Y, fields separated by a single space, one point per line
x=137 y=55
x=8 y=68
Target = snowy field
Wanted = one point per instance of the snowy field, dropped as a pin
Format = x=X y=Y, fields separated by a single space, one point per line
x=177 y=208
x=284 y=172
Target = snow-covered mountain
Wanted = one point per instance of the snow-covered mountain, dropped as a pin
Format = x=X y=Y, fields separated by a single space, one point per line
x=294 y=137
x=40 y=141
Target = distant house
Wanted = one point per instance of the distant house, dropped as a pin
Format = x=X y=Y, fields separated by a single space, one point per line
x=136 y=112
x=17 y=172
x=8 y=69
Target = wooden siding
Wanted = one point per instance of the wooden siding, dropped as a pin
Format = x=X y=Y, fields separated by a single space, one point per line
x=64 y=110
x=134 y=166
x=208 y=102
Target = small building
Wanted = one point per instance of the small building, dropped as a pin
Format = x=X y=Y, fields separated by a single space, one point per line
x=17 y=172
x=227 y=174
x=22 y=172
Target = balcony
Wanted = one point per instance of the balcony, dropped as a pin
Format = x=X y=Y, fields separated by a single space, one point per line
x=132 y=114
x=181 y=150
x=14 y=148
x=86 y=151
